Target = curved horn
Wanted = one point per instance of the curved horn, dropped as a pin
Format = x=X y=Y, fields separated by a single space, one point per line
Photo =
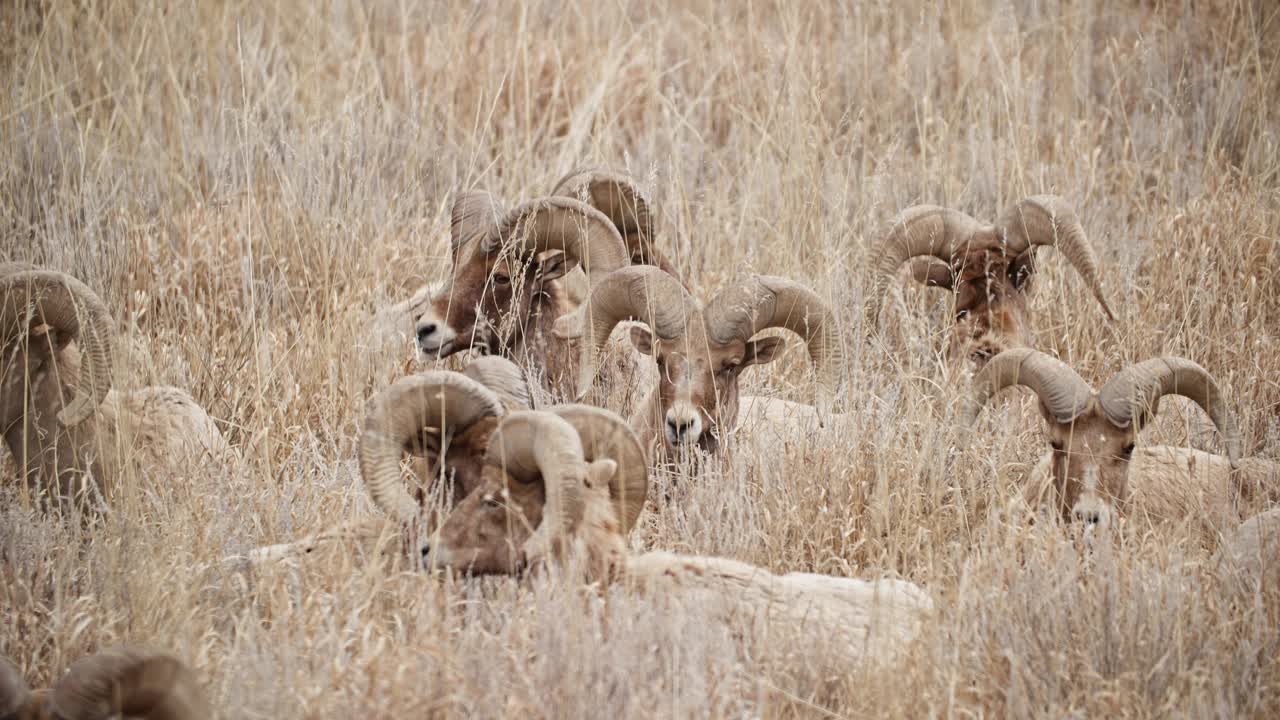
x=1061 y=390
x=129 y=682
x=504 y=378
x=640 y=292
x=1133 y=395
x=932 y=272
x=621 y=200
x=583 y=233
x=1049 y=220
x=742 y=310
x=62 y=302
x=14 y=693
x=605 y=435
x=474 y=215
x=436 y=401
x=920 y=230
x=531 y=444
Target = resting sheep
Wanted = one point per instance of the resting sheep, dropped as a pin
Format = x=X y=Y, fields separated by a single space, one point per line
x=701 y=351
x=566 y=486
x=65 y=426
x=505 y=290
x=430 y=411
x=121 y=681
x=1094 y=468
x=988 y=268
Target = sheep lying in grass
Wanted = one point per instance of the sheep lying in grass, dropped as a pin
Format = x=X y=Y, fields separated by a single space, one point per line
x=1095 y=468
x=69 y=431
x=700 y=352
x=445 y=420
x=118 y=682
x=507 y=284
x=566 y=486
x=988 y=267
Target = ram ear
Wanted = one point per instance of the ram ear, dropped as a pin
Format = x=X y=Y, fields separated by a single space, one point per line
x=601 y=472
x=642 y=339
x=552 y=266
x=1022 y=267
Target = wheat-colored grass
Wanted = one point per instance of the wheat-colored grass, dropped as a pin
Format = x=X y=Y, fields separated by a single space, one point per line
x=247 y=183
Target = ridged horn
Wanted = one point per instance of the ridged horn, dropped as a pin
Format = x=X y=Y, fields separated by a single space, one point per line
x=606 y=435
x=14 y=693
x=529 y=445
x=437 y=402
x=583 y=233
x=474 y=215
x=761 y=302
x=640 y=292
x=621 y=200
x=920 y=230
x=1062 y=392
x=130 y=682
x=1049 y=220
x=504 y=378
x=63 y=302
x=1133 y=395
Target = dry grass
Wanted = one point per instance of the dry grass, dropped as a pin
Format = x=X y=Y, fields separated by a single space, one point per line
x=246 y=183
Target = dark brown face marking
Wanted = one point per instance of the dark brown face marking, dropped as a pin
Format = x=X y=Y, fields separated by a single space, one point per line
x=486 y=531
x=487 y=297
x=991 y=305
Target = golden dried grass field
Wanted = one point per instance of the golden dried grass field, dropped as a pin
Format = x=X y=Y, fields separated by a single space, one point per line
x=246 y=184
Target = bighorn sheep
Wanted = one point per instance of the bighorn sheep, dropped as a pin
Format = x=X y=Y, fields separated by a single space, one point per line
x=987 y=267
x=1094 y=466
x=504 y=292
x=565 y=487
x=702 y=351
x=118 y=682
x=63 y=425
x=625 y=204
x=422 y=415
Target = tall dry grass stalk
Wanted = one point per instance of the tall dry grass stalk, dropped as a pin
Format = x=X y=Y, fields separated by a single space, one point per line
x=247 y=183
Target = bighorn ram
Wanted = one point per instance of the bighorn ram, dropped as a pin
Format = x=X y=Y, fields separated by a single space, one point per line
x=1094 y=466
x=505 y=289
x=565 y=487
x=118 y=682
x=702 y=351
x=626 y=206
x=443 y=420
x=63 y=425
x=987 y=267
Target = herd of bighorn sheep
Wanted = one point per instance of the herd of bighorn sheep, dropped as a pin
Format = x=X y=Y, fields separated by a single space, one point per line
x=512 y=474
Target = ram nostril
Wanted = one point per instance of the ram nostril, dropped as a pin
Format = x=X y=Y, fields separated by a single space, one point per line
x=1088 y=517
x=426 y=551
x=426 y=331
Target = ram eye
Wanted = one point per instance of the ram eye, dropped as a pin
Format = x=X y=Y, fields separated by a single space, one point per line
x=492 y=501
x=730 y=367
x=1056 y=445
